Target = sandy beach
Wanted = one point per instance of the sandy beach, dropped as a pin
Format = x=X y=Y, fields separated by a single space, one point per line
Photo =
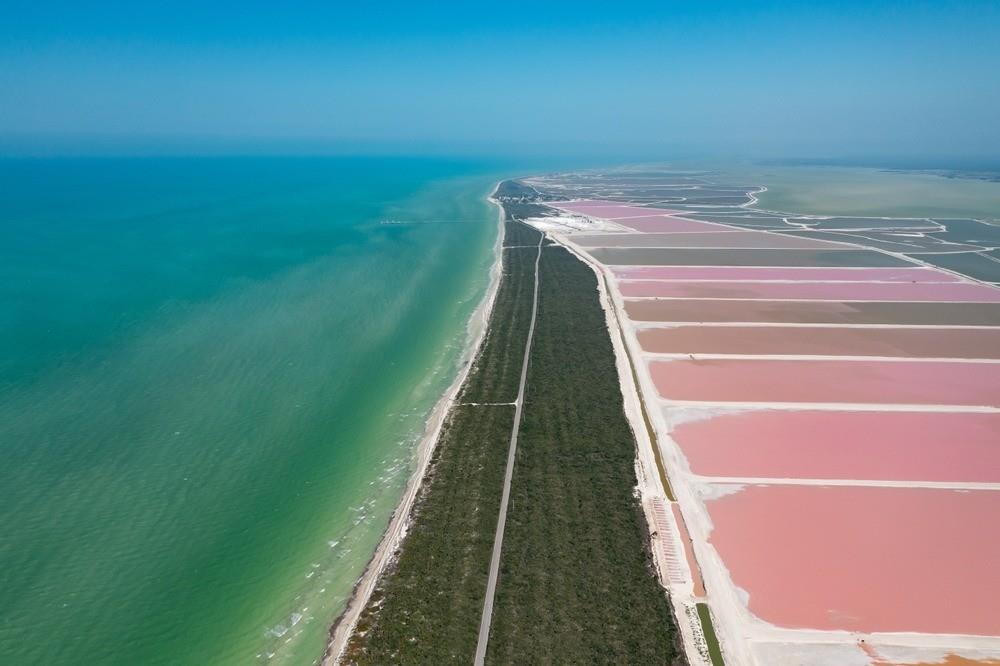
x=393 y=536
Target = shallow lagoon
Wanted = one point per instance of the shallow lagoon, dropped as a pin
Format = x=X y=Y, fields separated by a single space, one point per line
x=864 y=191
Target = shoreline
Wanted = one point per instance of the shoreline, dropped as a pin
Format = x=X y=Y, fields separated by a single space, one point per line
x=478 y=325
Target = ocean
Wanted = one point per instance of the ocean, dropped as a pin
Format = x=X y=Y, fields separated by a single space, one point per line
x=213 y=373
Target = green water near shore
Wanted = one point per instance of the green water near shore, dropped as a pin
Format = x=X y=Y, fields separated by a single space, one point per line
x=212 y=376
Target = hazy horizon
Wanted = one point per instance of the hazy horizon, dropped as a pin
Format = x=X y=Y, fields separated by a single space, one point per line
x=650 y=80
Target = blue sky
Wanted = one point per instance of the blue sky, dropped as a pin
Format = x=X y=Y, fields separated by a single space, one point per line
x=722 y=78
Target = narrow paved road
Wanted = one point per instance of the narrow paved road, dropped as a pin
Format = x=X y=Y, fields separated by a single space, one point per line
x=491 y=584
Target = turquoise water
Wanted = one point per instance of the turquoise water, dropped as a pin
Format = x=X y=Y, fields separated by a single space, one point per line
x=212 y=375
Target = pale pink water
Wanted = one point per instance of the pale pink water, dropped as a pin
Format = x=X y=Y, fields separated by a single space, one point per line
x=888 y=446
x=668 y=224
x=585 y=207
x=863 y=558
x=580 y=202
x=612 y=211
x=698 y=582
x=877 y=382
x=947 y=660
x=817 y=312
x=732 y=239
x=841 y=291
x=820 y=341
x=797 y=273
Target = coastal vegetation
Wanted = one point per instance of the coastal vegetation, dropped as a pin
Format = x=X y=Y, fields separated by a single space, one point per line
x=517 y=234
x=522 y=210
x=576 y=578
x=512 y=191
x=521 y=201
x=496 y=373
x=576 y=583
x=426 y=607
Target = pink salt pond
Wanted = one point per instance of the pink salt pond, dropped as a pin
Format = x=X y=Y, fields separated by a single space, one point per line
x=713 y=239
x=834 y=381
x=569 y=205
x=670 y=224
x=587 y=206
x=611 y=211
x=814 y=312
x=805 y=274
x=851 y=291
x=822 y=341
x=864 y=558
x=888 y=446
